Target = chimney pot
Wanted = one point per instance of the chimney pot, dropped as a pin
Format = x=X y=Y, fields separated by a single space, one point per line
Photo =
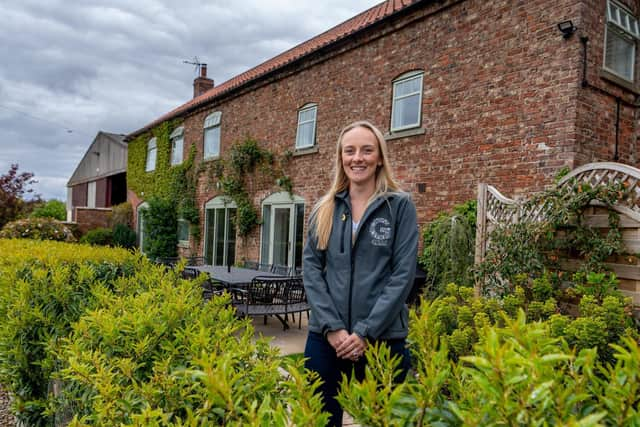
x=203 y=70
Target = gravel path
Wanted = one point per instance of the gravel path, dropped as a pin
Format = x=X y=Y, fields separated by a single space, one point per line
x=6 y=419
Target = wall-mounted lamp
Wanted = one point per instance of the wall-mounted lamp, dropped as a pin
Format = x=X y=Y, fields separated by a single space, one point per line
x=567 y=28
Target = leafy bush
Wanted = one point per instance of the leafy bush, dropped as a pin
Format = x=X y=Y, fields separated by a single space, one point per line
x=516 y=375
x=124 y=236
x=44 y=288
x=162 y=357
x=457 y=317
x=122 y=214
x=38 y=229
x=98 y=236
x=161 y=229
x=52 y=209
x=104 y=335
x=449 y=242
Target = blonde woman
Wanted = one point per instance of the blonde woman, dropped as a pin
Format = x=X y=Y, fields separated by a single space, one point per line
x=359 y=263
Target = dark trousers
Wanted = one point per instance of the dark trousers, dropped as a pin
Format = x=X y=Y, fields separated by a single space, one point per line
x=321 y=358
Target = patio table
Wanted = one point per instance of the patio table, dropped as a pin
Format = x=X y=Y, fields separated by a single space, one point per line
x=232 y=277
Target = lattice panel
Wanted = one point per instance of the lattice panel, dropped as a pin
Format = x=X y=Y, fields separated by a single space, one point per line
x=595 y=175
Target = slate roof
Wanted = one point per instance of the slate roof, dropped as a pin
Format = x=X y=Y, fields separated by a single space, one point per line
x=357 y=23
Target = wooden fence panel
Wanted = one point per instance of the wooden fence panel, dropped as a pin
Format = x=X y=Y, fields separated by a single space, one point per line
x=495 y=208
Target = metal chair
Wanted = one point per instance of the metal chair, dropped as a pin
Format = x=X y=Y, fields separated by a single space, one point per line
x=253 y=265
x=281 y=270
x=196 y=260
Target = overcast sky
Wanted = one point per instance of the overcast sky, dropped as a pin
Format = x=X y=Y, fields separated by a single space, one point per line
x=69 y=69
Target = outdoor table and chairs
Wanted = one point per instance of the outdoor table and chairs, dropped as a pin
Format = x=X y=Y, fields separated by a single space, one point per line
x=260 y=293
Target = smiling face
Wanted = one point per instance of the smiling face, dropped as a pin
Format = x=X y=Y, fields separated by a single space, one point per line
x=360 y=156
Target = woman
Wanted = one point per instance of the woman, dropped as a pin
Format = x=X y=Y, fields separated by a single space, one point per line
x=359 y=263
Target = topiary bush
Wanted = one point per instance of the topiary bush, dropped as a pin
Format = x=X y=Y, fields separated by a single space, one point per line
x=98 y=236
x=38 y=229
x=161 y=228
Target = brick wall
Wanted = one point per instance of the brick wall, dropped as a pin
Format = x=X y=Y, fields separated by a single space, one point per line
x=88 y=219
x=502 y=103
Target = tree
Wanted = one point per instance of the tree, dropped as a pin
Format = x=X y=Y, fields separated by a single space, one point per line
x=13 y=186
x=52 y=209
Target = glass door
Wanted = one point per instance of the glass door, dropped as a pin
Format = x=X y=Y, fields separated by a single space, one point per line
x=280 y=247
x=220 y=238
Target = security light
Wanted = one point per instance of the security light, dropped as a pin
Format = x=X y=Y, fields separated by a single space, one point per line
x=567 y=28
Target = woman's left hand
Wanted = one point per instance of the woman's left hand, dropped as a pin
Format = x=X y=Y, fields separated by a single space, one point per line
x=351 y=348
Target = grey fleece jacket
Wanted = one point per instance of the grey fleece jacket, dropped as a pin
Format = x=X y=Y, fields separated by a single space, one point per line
x=363 y=287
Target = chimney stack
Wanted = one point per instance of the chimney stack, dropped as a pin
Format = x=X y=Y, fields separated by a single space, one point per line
x=202 y=83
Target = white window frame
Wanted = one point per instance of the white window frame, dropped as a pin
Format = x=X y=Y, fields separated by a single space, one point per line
x=177 y=146
x=211 y=124
x=140 y=226
x=219 y=202
x=621 y=23
x=413 y=75
x=182 y=222
x=282 y=200
x=152 y=154
x=300 y=145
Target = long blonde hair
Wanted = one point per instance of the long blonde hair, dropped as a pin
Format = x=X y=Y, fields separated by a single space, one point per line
x=322 y=214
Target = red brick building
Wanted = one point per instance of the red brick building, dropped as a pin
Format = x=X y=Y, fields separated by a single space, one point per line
x=467 y=91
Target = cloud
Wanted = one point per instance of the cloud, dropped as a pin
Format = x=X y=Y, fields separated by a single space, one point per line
x=117 y=65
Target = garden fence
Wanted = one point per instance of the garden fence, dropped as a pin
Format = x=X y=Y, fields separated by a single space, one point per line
x=495 y=209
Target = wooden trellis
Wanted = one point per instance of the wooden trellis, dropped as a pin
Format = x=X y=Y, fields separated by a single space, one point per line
x=494 y=209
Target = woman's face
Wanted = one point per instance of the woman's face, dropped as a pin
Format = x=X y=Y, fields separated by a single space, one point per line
x=360 y=156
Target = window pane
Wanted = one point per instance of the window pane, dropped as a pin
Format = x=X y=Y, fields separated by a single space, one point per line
x=619 y=54
x=306 y=115
x=231 y=237
x=183 y=230
x=210 y=234
x=176 y=151
x=212 y=142
x=151 y=159
x=406 y=112
x=407 y=87
x=266 y=234
x=219 y=240
x=305 y=135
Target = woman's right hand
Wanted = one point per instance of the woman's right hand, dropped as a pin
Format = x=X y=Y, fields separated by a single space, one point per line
x=336 y=338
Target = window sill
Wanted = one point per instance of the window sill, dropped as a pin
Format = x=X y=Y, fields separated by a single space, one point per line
x=305 y=151
x=183 y=244
x=404 y=133
x=211 y=159
x=609 y=76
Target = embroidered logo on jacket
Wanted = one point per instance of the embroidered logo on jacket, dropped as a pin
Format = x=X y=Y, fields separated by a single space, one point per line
x=380 y=230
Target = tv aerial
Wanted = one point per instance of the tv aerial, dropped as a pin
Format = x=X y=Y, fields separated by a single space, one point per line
x=196 y=63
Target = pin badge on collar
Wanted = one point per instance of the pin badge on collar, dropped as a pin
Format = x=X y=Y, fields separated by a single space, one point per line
x=343 y=217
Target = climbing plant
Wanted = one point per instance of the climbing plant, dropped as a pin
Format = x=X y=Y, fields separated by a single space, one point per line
x=173 y=183
x=237 y=171
x=530 y=249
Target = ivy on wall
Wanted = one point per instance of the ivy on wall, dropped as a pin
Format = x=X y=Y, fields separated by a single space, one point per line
x=174 y=183
x=179 y=183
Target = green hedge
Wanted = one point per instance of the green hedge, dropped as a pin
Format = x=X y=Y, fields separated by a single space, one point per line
x=516 y=375
x=103 y=336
